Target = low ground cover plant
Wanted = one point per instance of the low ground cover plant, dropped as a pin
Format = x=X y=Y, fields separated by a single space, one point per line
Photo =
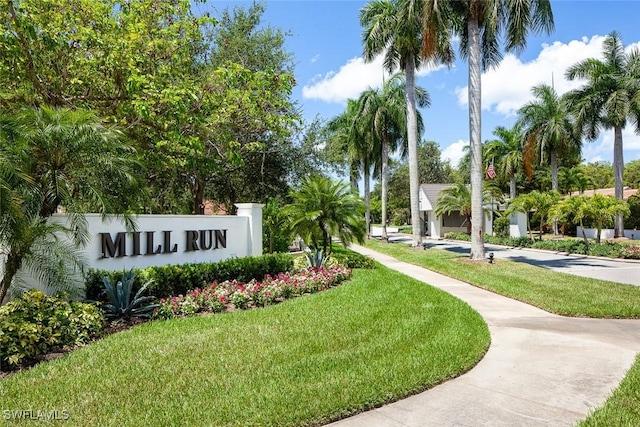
x=35 y=324
x=218 y=296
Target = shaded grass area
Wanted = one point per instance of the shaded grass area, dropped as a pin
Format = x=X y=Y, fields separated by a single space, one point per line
x=307 y=361
x=623 y=407
x=559 y=293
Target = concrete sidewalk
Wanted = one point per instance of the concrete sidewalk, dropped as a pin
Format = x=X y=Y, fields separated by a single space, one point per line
x=541 y=369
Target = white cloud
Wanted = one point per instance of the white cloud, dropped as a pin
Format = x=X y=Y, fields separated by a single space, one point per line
x=315 y=59
x=508 y=86
x=351 y=80
x=454 y=152
x=602 y=148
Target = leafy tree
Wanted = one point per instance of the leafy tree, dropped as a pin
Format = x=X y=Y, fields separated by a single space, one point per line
x=382 y=112
x=393 y=28
x=480 y=24
x=601 y=173
x=159 y=71
x=608 y=100
x=573 y=179
x=277 y=235
x=431 y=169
x=632 y=174
x=62 y=159
x=322 y=208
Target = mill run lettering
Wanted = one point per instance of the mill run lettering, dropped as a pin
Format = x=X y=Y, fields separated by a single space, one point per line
x=196 y=240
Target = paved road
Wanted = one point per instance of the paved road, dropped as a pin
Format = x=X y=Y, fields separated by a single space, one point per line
x=541 y=369
x=620 y=271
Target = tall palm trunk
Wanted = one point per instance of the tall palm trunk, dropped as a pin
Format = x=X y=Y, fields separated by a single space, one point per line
x=554 y=186
x=367 y=198
x=512 y=186
x=384 y=180
x=412 y=141
x=618 y=169
x=477 y=238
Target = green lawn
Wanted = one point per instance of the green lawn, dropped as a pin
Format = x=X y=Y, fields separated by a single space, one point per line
x=378 y=338
x=623 y=407
x=555 y=292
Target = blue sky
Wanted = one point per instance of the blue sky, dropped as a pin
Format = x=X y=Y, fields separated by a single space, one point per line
x=326 y=43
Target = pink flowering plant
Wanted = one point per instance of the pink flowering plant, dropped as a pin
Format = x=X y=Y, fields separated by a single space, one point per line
x=218 y=297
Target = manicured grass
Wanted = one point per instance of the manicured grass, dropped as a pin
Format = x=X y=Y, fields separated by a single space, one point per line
x=307 y=361
x=623 y=407
x=555 y=292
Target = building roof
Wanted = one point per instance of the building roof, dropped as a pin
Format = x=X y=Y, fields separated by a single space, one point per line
x=429 y=194
x=626 y=192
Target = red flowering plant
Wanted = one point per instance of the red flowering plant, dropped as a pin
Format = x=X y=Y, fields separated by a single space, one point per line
x=216 y=297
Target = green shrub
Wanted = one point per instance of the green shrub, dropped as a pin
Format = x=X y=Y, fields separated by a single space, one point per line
x=501 y=226
x=35 y=324
x=171 y=280
x=352 y=260
x=630 y=252
x=607 y=249
x=457 y=236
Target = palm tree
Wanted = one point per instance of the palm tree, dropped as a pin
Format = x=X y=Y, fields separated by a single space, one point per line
x=507 y=149
x=382 y=114
x=393 y=28
x=548 y=128
x=456 y=198
x=596 y=209
x=608 y=100
x=540 y=203
x=480 y=24
x=323 y=208
x=65 y=158
x=573 y=179
x=349 y=132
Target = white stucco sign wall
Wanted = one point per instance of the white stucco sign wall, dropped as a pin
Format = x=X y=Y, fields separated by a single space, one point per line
x=172 y=239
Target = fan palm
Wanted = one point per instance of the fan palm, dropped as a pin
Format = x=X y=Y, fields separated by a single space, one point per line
x=323 y=208
x=63 y=158
x=393 y=28
x=609 y=98
x=480 y=23
x=382 y=113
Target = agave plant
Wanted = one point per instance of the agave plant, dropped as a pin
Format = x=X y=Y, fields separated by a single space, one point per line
x=121 y=305
x=316 y=257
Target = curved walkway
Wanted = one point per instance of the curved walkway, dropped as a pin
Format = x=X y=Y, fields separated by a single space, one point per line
x=541 y=369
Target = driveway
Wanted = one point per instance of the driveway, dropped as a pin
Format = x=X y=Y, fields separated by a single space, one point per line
x=615 y=270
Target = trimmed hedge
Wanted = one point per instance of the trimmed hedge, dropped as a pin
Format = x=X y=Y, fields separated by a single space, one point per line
x=571 y=246
x=171 y=280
